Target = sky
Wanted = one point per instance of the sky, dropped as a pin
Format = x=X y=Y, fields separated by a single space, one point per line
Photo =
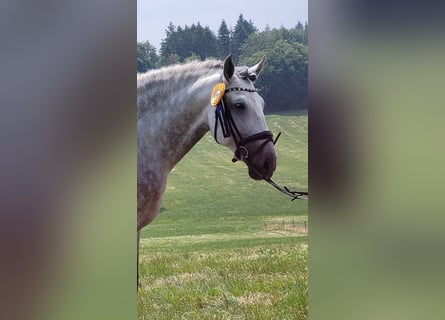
x=153 y=17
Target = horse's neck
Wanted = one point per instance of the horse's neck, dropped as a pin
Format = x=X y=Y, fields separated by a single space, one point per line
x=175 y=122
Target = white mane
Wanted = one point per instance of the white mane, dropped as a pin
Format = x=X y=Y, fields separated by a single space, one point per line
x=194 y=69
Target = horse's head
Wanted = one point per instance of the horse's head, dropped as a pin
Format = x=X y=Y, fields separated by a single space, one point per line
x=237 y=119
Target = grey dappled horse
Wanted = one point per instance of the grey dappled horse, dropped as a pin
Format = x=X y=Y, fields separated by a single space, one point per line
x=175 y=111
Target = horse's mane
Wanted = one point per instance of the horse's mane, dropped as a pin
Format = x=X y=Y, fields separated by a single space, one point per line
x=161 y=86
x=181 y=72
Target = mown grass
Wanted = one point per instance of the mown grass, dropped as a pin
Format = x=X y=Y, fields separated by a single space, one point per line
x=260 y=282
x=225 y=246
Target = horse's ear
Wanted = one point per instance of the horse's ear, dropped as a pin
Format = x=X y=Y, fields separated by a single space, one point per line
x=255 y=71
x=229 y=68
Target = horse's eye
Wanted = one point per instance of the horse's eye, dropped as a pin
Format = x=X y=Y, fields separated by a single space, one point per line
x=239 y=106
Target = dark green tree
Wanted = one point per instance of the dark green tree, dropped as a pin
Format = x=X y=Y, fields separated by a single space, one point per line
x=168 y=47
x=205 y=42
x=147 y=57
x=172 y=58
x=241 y=32
x=184 y=42
x=193 y=57
x=299 y=33
x=283 y=83
x=224 y=41
x=170 y=29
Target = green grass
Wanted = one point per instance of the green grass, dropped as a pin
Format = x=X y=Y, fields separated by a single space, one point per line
x=262 y=282
x=225 y=246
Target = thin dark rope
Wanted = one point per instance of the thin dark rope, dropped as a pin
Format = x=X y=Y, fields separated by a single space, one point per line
x=296 y=195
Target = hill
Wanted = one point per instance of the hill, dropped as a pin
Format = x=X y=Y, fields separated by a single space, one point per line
x=206 y=192
x=225 y=246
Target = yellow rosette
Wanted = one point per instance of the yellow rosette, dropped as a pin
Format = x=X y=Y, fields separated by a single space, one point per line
x=217 y=94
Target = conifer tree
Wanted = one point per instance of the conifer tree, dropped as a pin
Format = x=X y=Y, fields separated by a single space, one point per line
x=224 y=43
x=243 y=29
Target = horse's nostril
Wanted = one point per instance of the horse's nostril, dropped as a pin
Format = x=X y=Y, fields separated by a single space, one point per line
x=269 y=165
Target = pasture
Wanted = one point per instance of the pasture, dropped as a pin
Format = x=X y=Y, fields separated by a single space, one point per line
x=225 y=246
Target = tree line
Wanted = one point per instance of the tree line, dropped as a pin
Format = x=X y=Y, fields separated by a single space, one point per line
x=283 y=82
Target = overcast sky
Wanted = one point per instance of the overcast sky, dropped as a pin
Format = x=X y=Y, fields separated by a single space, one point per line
x=154 y=16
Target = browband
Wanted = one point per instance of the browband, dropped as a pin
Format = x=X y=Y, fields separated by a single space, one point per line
x=240 y=89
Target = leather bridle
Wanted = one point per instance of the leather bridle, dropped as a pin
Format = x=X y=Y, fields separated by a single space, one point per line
x=223 y=116
x=230 y=128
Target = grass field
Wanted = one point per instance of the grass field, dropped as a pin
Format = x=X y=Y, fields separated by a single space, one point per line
x=225 y=246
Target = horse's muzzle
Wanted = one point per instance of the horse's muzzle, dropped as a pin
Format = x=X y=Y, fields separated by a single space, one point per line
x=258 y=152
x=261 y=164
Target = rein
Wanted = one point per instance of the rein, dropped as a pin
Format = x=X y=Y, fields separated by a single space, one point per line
x=229 y=127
